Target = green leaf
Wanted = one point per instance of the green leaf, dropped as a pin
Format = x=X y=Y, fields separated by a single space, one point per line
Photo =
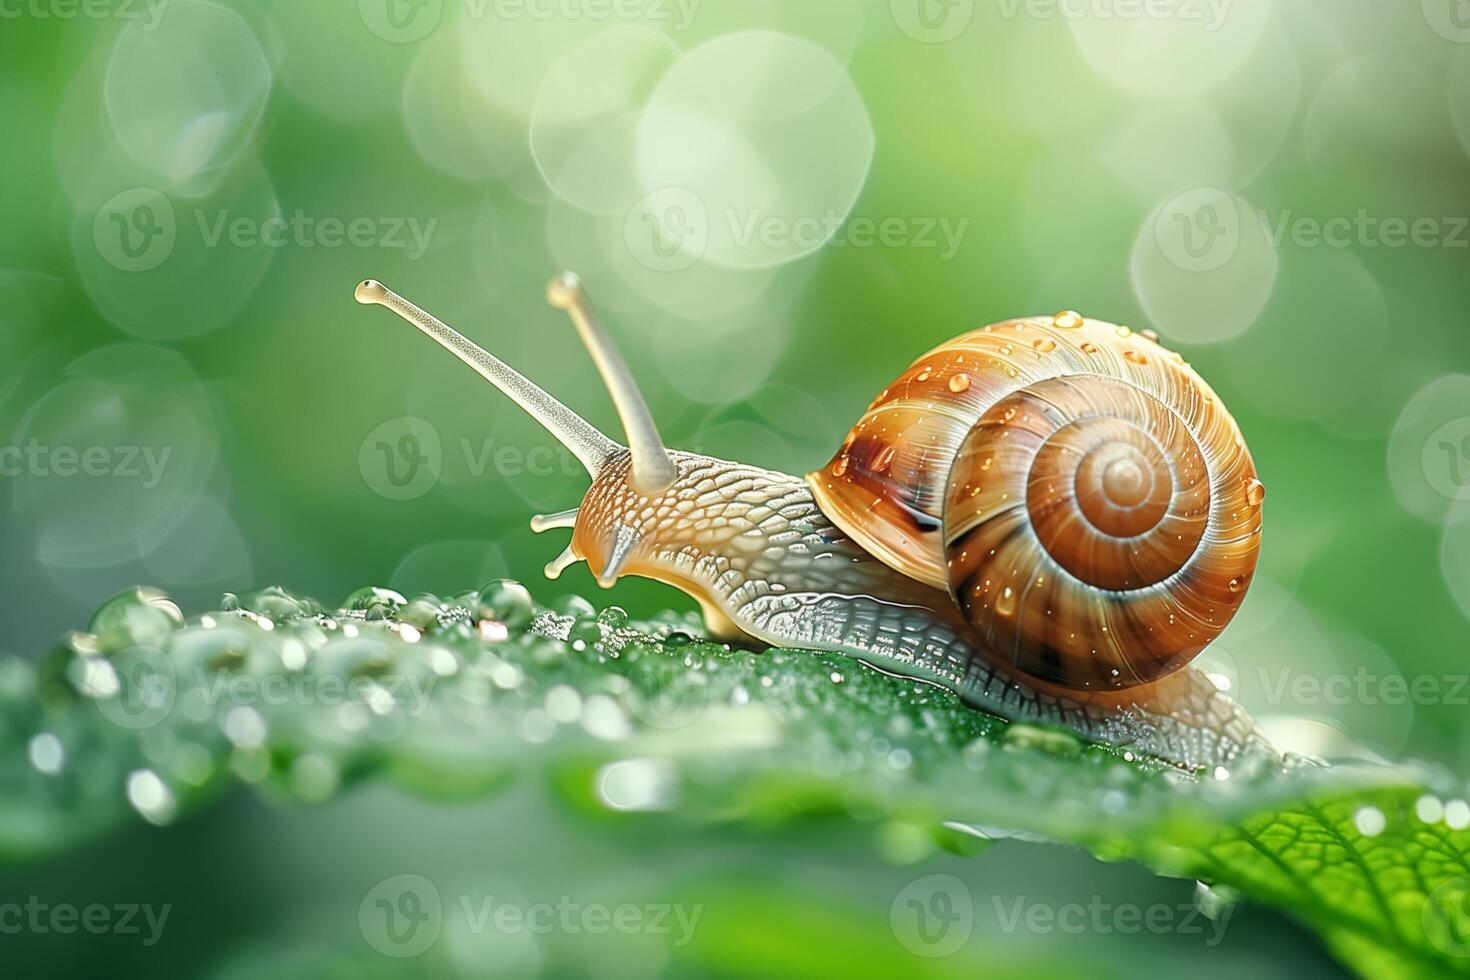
x=153 y=715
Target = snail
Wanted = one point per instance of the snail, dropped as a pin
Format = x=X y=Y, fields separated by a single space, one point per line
x=1049 y=516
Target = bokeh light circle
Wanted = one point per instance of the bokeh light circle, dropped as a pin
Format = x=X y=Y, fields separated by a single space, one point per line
x=106 y=464
x=207 y=550
x=1199 y=146
x=1454 y=556
x=1429 y=451
x=1203 y=266
x=186 y=94
x=1458 y=93
x=354 y=75
x=452 y=127
x=769 y=133
x=1319 y=350
x=1177 y=46
x=165 y=266
x=585 y=121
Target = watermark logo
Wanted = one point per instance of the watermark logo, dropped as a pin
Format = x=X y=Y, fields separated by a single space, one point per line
x=1208 y=14
x=1198 y=230
x=136 y=229
x=404 y=915
x=1362 y=687
x=1364 y=229
x=145 y=13
x=933 y=916
x=1446 y=459
x=774 y=233
x=932 y=21
x=64 y=919
x=1450 y=19
x=145 y=688
x=671 y=229
x=668 y=230
x=1098 y=915
x=401 y=916
x=1446 y=916
x=146 y=464
x=663 y=695
x=401 y=21
x=407 y=21
x=675 y=15
x=404 y=458
x=401 y=458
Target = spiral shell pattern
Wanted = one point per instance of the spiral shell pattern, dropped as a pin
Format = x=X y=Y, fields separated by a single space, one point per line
x=1080 y=491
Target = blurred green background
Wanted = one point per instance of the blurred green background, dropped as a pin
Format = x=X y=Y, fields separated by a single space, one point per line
x=776 y=205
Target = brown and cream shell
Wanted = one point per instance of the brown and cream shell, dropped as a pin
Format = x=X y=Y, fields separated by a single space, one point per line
x=1081 y=492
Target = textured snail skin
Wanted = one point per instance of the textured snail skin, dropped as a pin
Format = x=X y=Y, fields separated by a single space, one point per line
x=755 y=550
x=1080 y=491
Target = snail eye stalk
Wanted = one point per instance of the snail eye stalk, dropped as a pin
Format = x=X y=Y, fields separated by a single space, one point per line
x=653 y=470
x=585 y=442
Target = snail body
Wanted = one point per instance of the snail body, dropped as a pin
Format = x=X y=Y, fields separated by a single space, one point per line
x=1050 y=517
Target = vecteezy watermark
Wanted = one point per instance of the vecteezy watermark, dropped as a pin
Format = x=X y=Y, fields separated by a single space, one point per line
x=406 y=21
x=670 y=229
x=935 y=916
x=96 y=918
x=932 y=21
x=1209 y=14
x=1364 y=229
x=1287 y=685
x=145 y=464
x=1199 y=230
x=138 y=229
x=403 y=458
x=1450 y=19
x=404 y=915
x=807 y=232
x=677 y=15
x=139 y=688
x=401 y=21
x=937 y=21
x=663 y=694
x=1446 y=916
x=1446 y=459
x=1098 y=915
x=378 y=692
x=146 y=13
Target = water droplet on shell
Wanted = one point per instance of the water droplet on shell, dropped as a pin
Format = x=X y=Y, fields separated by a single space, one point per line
x=1067 y=320
x=959 y=383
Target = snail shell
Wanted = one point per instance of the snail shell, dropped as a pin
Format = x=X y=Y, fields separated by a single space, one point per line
x=1082 y=494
